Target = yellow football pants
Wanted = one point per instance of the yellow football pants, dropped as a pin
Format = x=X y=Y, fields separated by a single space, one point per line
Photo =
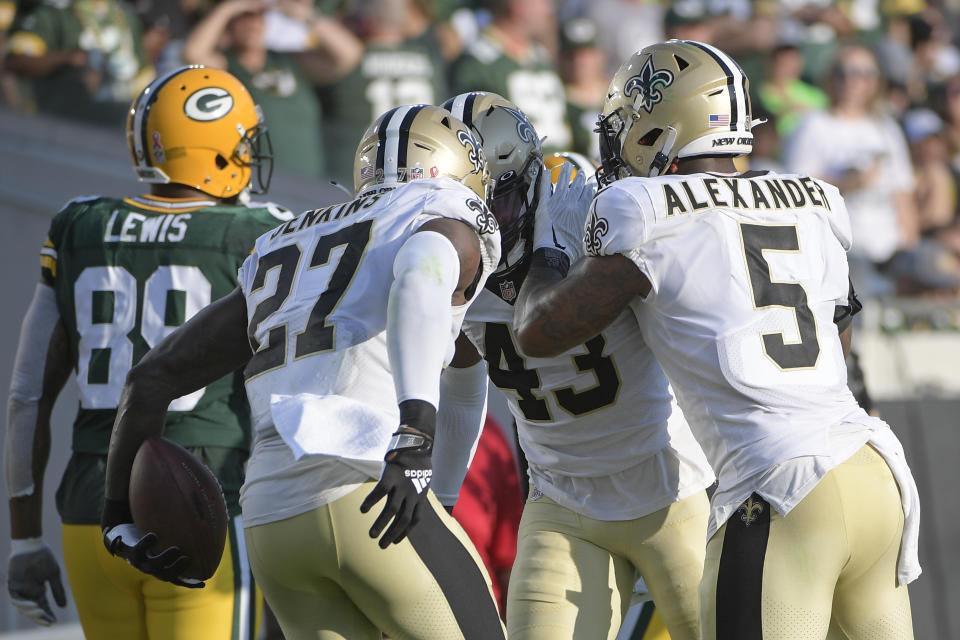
x=574 y=576
x=326 y=579
x=116 y=601
x=834 y=556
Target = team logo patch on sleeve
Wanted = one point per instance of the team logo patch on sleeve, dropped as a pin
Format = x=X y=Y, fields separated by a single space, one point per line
x=647 y=85
x=595 y=230
x=486 y=222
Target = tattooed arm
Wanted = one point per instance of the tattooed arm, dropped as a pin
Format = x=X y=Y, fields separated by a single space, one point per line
x=554 y=314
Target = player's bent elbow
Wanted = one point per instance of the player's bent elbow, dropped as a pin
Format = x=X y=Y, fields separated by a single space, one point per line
x=145 y=385
x=534 y=344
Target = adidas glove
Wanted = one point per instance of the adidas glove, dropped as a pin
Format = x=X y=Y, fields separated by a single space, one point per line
x=406 y=475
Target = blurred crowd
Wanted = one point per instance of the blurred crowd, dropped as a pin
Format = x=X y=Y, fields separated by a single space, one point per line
x=863 y=93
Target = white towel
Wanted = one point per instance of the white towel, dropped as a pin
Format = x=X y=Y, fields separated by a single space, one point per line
x=332 y=425
x=888 y=446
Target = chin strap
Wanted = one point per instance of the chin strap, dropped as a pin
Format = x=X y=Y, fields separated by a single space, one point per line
x=662 y=159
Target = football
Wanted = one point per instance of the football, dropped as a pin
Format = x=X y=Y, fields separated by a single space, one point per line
x=177 y=497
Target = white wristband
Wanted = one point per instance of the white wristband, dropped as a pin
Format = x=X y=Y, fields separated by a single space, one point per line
x=25 y=545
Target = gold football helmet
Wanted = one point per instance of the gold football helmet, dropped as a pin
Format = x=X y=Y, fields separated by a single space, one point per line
x=419 y=141
x=554 y=164
x=515 y=158
x=674 y=99
x=199 y=127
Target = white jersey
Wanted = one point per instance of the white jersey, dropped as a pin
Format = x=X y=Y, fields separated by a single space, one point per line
x=746 y=272
x=597 y=424
x=316 y=290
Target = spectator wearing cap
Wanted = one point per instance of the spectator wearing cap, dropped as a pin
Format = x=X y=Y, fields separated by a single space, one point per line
x=583 y=69
x=84 y=58
x=784 y=94
x=856 y=146
x=275 y=79
x=689 y=21
x=938 y=184
x=936 y=191
x=507 y=58
x=393 y=69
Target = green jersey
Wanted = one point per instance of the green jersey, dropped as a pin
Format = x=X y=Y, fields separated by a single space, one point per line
x=110 y=34
x=290 y=109
x=126 y=273
x=386 y=77
x=583 y=122
x=532 y=84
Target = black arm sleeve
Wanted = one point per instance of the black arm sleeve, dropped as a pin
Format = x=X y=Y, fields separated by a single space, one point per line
x=843 y=314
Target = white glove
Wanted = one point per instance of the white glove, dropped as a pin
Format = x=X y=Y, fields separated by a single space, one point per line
x=562 y=212
x=30 y=567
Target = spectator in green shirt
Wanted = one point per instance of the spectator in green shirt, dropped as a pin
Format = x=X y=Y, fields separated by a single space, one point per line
x=394 y=69
x=276 y=81
x=507 y=59
x=84 y=58
x=784 y=94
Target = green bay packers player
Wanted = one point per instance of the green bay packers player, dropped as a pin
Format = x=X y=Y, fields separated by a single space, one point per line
x=617 y=480
x=740 y=286
x=342 y=321
x=118 y=275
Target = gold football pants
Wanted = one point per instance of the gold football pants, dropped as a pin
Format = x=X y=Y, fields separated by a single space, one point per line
x=833 y=556
x=325 y=578
x=115 y=600
x=574 y=576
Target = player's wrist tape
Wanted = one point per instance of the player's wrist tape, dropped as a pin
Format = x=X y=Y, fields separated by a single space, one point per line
x=419 y=415
x=551 y=259
x=115 y=512
x=25 y=545
x=407 y=441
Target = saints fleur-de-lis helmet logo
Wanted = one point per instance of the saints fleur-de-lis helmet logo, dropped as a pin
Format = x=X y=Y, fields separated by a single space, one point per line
x=647 y=85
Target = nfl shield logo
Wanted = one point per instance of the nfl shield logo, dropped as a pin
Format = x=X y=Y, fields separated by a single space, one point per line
x=416 y=173
x=507 y=291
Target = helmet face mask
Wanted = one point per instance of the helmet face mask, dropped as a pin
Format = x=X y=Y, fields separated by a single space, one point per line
x=612 y=167
x=199 y=127
x=255 y=150
x=514 y=203
x=515 y=157
x=673 y=100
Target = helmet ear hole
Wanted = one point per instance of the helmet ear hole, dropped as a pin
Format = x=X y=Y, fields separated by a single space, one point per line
x=650 y=137
x=221 y=162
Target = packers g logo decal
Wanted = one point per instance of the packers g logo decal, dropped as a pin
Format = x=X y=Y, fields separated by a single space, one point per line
x=646 y=85
x=208 y=104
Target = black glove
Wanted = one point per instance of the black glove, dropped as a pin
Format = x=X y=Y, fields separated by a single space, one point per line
x=122 y=539
x=406 y=475
x=30 y=568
